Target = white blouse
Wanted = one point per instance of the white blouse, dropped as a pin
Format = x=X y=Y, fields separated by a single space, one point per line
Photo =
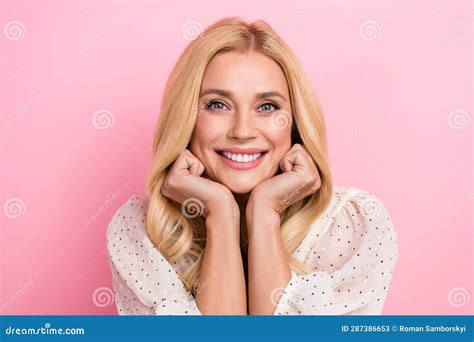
x=352 y=249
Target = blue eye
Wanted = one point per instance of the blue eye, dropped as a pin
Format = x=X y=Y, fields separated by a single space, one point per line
x=209 y=105
x=218 y=106
x=275 y=107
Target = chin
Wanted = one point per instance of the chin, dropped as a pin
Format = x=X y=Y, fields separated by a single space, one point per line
x=240 y=187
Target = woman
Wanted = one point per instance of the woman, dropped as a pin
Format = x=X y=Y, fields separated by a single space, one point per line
x=241 y=215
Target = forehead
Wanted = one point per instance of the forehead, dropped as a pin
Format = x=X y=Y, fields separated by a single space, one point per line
x=241 y=72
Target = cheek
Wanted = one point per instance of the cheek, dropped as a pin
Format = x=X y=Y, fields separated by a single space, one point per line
x=280 y=139
x=206 y=132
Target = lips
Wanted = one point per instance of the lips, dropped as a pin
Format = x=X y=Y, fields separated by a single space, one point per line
x=241 y=150
x=242 y=159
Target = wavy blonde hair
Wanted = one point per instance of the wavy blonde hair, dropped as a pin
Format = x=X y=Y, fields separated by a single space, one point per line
x=176 y=235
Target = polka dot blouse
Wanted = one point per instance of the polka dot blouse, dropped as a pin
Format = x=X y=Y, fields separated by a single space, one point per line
x=352 y=250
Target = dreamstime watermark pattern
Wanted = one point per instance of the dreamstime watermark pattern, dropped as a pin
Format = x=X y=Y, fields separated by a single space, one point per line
x=276 y=295
x=278 y=292
x=13 y=298
x=367 y=122
x=14 y=30
x=371 y=208
x=202 y=285
x=370 y=30
x=103 y=119
x=283 y=205
x=458 y=296
x=459 y=28
x=98 y=34
x=191 y=30
x=269 y=42
x=103 y=296
x=192 y=207
x=188 y=122
x=458 y=119
x=14 y=208
x=281 y=119
x=107 y=203
x=463 y=203
x=18 y=115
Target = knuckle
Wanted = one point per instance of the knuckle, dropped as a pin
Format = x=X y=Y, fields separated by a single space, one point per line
x=313 y=179
x=169 y=182
x=164 y=190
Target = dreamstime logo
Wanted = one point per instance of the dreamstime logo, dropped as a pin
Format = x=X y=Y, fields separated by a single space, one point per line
x=14 y=30
x=281 y=119
x=192 y=207
x=367 y=122
x=457 y=31
x=46 y=330
x=281 y=207
x=370 y=208
x=276 y=295
x=458 y=119
x=102 y=297
x=191 y=30
x=269 y=42
x=14 y=208
x=13 y=298
x=19 y=114
x=463 y=203
x=189 y=122
x=370 y=30
x=458 y=297
x=103 y=119
x=99 y=34
x=107 y=203
x=202 y=285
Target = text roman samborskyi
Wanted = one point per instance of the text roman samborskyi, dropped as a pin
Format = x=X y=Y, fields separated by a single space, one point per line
x=430 y=328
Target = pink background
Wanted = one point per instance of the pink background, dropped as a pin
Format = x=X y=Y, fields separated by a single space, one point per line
x=394 y=79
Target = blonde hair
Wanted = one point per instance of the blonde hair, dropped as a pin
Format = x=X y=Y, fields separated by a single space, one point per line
x=176 y=235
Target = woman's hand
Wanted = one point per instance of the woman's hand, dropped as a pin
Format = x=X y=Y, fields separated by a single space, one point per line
x=269 y=267
x=299 y=179
x=198 y=194
x=222 y=268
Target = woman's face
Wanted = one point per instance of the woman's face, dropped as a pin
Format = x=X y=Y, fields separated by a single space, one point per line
x=245 y=114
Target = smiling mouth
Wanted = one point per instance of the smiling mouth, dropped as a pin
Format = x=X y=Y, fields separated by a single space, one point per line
x=241 y=157
x=242 y=161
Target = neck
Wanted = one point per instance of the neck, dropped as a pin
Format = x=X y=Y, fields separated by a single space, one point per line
x=242 y=200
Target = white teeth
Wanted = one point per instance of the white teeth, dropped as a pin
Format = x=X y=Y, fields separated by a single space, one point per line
x=241 y=158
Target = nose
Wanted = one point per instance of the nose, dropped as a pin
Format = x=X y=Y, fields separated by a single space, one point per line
x=243 y=127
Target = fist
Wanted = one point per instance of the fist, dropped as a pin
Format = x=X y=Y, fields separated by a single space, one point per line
x=199 y=195
x=299 y=178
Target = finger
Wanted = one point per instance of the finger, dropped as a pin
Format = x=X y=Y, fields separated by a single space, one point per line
x=283 y=161
x=293 y=161
x=193 y=165
x=285 y=164
x=201 y=169
x=297 y=146
x=187 y=163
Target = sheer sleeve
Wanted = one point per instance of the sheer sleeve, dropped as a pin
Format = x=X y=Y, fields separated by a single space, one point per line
x=353 y=260
x=144 y=282
x=126 y=301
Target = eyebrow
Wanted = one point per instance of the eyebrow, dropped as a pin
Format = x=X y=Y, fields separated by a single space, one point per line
x=228 y=94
